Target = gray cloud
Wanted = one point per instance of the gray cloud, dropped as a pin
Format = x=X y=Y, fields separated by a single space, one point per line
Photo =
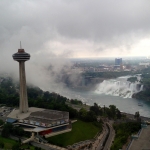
x=53 y=30
x=96 y=20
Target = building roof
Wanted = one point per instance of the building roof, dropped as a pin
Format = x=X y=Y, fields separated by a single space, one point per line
x=40 y=117
x=143 y=140
x=15 y=114
x=10 y=120
x=48 y=116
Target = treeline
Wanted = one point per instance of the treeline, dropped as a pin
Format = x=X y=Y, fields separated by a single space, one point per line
x=107 y=74
x=110 y=112
x=123 y=131
x=9 y=129
x=145 y=81
x=76 y=102
x=132 y=79
x=9 y=95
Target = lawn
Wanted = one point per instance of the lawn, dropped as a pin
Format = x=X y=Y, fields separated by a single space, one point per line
x=8 y=143
x=80 y=131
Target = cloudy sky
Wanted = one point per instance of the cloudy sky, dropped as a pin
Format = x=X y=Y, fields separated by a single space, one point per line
x=53 y=30
x=75 y=28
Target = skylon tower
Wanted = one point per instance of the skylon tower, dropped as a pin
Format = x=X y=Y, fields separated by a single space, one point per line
x=21 y=56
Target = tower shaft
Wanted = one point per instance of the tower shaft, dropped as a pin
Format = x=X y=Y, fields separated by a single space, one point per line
x=21 y=56
x=23 y=106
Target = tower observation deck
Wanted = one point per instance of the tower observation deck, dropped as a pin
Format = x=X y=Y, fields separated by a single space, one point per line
x=21 y=56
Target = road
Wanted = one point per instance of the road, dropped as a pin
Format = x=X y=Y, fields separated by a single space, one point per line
x=101 y=141
x=41 y=145
x=110 y=137
x=98 y=144
x=108 y=134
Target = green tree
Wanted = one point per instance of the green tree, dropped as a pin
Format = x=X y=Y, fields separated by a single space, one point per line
x=1 y=144
x=137 y=115
x=7 y=128
x=95 y=109
x=16 y=146
x=91 y=116
x=1 y=122
x=118 y=114
x=83 y=114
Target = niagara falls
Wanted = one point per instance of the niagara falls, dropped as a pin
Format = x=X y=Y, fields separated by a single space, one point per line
x=119 y=87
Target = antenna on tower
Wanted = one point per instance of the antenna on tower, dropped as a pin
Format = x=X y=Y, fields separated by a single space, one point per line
x=20 y=45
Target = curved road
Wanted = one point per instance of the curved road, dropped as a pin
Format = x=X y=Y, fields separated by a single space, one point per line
x=110 y=138
x=99 y=143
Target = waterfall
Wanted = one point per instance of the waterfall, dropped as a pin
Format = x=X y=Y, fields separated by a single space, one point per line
x=141 y=88
x=119 y=87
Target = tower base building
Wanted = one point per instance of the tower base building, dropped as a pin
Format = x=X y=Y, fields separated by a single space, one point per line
x=44 y=122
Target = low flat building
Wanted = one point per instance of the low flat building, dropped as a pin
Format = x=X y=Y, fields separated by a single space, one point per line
x=41 y=121
x=141 y=142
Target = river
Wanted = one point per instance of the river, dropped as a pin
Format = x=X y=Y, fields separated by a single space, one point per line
x=123 y=102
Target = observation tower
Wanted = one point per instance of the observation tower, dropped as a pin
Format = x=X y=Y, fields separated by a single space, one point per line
x=21 y=56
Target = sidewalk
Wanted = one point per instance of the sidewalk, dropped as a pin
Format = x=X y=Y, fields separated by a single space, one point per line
x=96 y=144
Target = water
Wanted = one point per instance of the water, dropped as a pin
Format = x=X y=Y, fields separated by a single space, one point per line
x=119 y=87
x=128 y=105
x=117 y=92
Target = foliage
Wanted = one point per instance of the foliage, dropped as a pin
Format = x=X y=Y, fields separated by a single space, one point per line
x=9 y=143
x=1 y=122
x=132 y=79
x=7 y=128
x=37 y=148
x=137 y=114
x=123 y=131
x=113 y=112
x=16 y=146
x=1 y=144
x=80 y=131
x=145 y=81
x=14 y=130
x=44 y=99
x=96 y=109
x=88 y=116
x=36 y=97
x=107 y=75
x=76 y=102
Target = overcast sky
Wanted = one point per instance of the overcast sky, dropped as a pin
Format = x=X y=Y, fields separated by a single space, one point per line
x=75 y=28
x=53 y=30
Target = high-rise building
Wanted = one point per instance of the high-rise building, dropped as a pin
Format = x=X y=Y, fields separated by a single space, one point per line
x=118 y=61
x=21 y=56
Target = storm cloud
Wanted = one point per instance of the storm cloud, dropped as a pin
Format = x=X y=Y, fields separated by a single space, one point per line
x=53 y=30
x=65 y=25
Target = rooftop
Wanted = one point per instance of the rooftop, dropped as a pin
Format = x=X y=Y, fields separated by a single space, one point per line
x=40 y=117
x=143 y=140
x=15 y=114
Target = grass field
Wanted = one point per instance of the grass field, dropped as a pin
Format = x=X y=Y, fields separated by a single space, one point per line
x=8 y=143
x=80 y=131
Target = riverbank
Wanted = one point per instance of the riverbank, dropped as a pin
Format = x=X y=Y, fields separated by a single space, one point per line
x=143 y=95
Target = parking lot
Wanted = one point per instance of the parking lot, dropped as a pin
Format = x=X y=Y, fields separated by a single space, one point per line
x=4 y=111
